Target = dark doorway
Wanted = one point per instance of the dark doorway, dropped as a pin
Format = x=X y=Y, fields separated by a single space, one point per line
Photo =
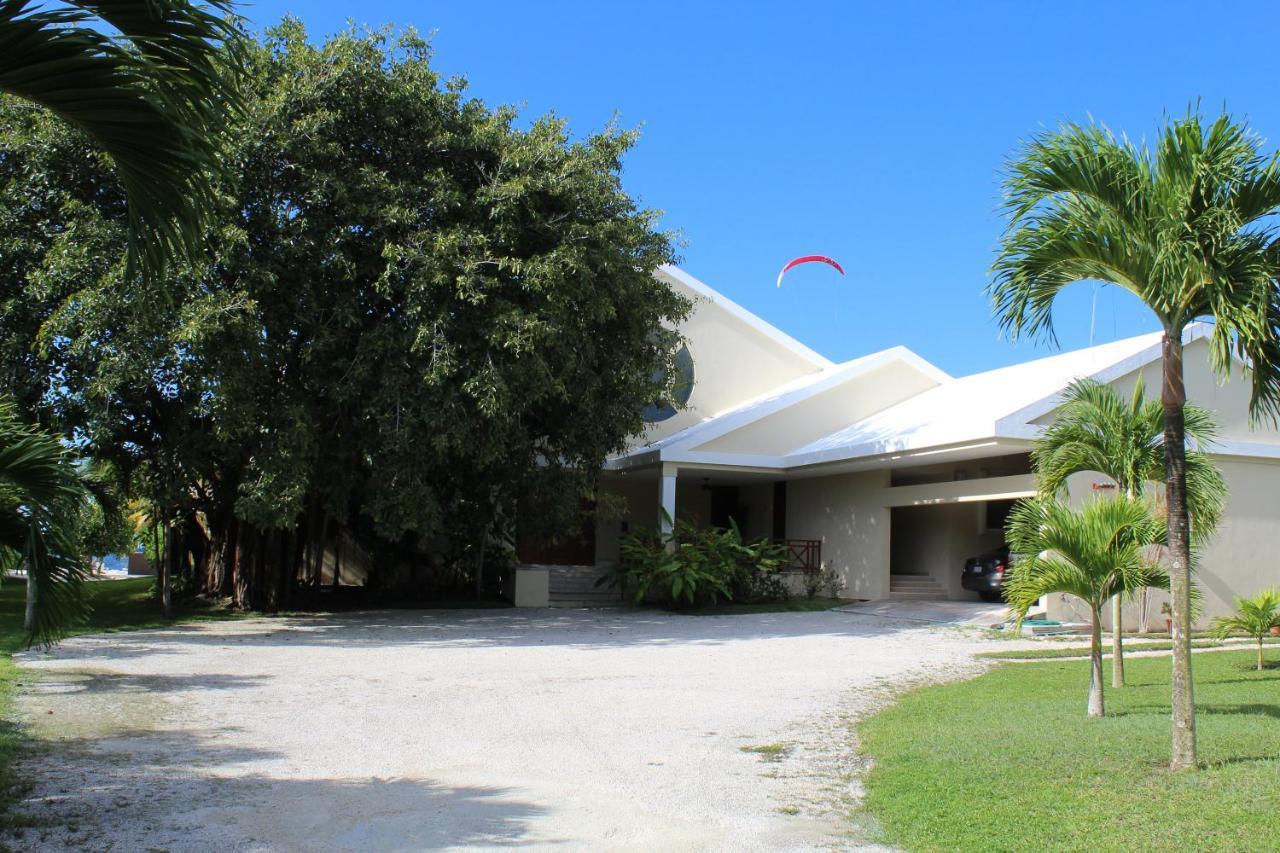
x=780 y=510
x=726 y=504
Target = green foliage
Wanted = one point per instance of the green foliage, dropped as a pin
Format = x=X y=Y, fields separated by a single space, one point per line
x=1092 y=553
x=156 y=97
x=415 y=312
x=691 y=566
x=1254 y=616
x=42 y=498
x=1005 y=762
x=1186 y=225
x=1096 y=429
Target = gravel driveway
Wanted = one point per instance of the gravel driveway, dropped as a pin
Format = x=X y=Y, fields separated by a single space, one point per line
x=413 y=730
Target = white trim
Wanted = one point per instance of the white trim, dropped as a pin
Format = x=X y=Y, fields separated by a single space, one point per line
x=766 y=405
x=1248 y=449
x=1015 y=422
x=772 y=332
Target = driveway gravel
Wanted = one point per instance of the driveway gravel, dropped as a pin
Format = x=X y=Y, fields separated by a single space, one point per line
x=415 y=730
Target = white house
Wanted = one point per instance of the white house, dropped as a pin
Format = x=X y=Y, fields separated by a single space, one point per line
x=891 y=472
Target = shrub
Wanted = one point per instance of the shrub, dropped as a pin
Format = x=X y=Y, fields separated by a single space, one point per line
x=1254 y=616
x=691 y=566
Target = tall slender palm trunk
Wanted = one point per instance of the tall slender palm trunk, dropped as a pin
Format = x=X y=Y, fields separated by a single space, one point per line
x=29 y=619
x=1117 y=641
x=1095 y=665
x=1174 y=396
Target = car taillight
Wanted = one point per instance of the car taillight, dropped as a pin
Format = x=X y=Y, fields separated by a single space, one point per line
x=1000 y=568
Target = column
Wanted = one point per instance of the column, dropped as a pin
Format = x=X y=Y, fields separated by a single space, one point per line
x=667 y=497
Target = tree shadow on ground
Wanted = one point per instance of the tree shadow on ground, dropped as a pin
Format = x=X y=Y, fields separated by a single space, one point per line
x=582 y=629
x=142 y=789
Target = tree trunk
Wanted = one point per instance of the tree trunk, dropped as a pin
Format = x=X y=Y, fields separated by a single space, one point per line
x=1095 y=665
x=168 y=547
x=29 y=619
x=480 y=567
x=239 y=571
x=1117 y=641
x=337 y=560
x=1173 y=397
x=1259 y=654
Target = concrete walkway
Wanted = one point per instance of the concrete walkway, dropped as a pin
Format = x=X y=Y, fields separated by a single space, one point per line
x=980 y=614
x=578 y=730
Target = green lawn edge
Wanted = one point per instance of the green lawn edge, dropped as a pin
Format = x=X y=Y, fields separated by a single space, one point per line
x=1008 y=761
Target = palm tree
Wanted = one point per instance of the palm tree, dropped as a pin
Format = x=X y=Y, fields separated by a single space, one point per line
x=1094 y=553
x=1095 y=429
x=41 y=496
x=156 y=97
x=1186 y=227
x=1254 y=616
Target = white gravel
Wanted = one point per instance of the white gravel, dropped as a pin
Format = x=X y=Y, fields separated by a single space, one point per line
x=414 y=730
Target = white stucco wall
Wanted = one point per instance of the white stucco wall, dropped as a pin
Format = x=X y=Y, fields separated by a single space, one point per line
x=733 y=361
x=826 y=412
x=847 y=513
x=1242 y=559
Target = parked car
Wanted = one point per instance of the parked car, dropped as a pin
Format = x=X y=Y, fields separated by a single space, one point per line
x=985 y=574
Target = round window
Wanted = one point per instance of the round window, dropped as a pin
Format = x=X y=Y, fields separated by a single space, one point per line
x=661 y=410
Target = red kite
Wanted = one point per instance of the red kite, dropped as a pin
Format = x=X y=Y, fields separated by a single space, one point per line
x=809 y=259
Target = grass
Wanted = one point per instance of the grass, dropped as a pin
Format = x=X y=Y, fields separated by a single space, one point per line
x=118 y=605
x=791 y=605
x=1008 y=761
x=772 y=752
x=1083 y=651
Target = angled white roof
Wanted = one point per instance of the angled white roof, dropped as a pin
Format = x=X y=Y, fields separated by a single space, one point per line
x=993 y=405
x=770 y=331
x=681 y=444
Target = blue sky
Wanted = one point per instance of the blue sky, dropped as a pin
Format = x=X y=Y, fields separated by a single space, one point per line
x=871 y=133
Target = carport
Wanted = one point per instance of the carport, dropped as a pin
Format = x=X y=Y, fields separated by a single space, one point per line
x=936 y=524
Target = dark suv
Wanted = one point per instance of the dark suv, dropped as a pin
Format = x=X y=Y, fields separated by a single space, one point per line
x=985 y=574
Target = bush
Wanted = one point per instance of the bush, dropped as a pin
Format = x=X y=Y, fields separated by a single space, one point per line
x=691 y=566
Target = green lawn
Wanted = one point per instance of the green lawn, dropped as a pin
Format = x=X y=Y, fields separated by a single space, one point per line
x=1158 y=646
x=1008 y=761
x=118 y=605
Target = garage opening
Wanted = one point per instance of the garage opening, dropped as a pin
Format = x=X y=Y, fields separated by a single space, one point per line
x=928 y=546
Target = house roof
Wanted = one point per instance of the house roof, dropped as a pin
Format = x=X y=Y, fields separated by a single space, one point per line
x=996 y=404
x=982 y=405
x=768 y=330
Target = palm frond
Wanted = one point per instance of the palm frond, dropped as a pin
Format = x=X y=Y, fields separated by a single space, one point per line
x=155 y=98
x=1092 y=553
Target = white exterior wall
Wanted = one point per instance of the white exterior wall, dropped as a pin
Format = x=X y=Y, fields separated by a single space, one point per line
x=826 y=412
x=733 y=361
x=848 y=513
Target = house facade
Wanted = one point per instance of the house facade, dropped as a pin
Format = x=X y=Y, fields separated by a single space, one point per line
x=890 y=472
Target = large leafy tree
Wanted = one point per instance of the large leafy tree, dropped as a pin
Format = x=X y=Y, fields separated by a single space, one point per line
x=1097 y=429
x=1095 y=553
x=152 y=83
x=417 y=313
x=1186 y=225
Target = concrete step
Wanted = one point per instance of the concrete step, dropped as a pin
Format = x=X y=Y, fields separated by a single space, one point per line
x=898 y=595
x=571 y=603
x=576 y=586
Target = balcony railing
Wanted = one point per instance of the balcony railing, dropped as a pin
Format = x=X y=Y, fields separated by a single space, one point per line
x=803 y=555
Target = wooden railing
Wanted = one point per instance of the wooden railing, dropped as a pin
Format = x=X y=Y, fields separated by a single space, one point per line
x=803 y=555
